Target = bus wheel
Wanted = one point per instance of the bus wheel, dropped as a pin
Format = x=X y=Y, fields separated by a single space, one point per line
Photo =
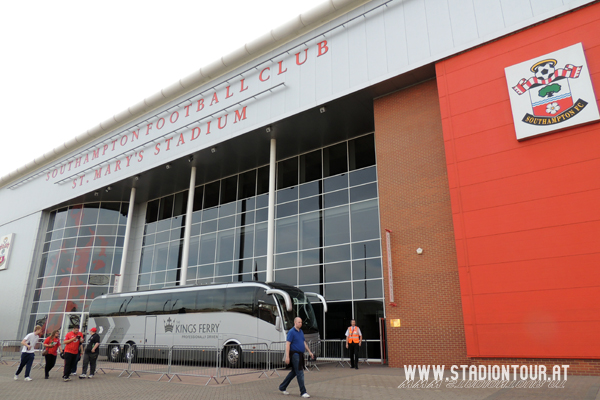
x=132 y=352
x=114 y=353
x=232 y=356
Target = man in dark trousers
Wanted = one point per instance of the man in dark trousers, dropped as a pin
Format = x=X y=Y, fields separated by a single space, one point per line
x=72 y=343
x=90 y=355
x=294 y=352
x=353 y=343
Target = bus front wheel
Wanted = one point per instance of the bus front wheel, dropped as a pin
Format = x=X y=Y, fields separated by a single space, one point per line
x=232 y=356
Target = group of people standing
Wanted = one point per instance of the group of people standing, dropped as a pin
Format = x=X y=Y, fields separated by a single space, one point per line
x=73 y=348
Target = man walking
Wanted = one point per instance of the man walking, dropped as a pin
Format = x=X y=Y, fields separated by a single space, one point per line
x=27 y=354
x=294 y=352
x=90 y=355
x=353 y=342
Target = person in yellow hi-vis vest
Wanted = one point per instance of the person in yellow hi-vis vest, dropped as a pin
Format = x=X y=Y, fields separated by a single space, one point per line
x=353 y=342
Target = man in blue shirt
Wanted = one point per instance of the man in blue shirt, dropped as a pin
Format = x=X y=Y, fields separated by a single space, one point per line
x=294 y=351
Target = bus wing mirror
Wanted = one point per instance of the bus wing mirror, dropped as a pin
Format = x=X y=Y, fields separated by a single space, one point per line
x=285 y=295
x=278 y=323
x=320 y=298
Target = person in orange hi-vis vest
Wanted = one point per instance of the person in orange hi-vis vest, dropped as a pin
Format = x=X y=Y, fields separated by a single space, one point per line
x=353 y=342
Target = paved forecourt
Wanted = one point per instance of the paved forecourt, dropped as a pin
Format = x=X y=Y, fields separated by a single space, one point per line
x=331 y=382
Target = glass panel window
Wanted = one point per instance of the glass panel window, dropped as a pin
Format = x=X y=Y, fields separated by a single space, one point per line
x=335 y=160
x=310 y=166
x=365 y=220
x=211 y=194
x=363 y=192
x=310 y=275
x=207 y=248
x=310 y=230
x=362 y=152
x=198 y=197
x=262 y=181
x=225 y=245
x=247 y=184
x=180 y=203
x=229 y=189
x=336 y=225
x=337 y=272
x=338 y=291
x=362 y=176
x=367 y=269
x=287 y=173
x=165 y=210
x=286 y=233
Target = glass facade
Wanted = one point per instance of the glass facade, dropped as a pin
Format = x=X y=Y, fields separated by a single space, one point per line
x=327 y=235
x=81 y=254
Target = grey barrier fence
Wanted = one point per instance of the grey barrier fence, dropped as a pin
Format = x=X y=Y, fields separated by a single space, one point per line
x=213 y=363
x=11 y=352
x=196 y=361
x=276 y=358
x=327 y=352
x=243 y=359
x=363 y=352
x=148 y=359
x=113 y=357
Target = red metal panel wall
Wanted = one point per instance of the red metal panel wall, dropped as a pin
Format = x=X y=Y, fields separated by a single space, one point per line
x=526 y=214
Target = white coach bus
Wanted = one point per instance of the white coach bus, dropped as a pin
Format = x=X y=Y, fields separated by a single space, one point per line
x=220 y=315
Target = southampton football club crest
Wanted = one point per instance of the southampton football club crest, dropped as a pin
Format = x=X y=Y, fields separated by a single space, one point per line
x=5 y=246
x=551 y=92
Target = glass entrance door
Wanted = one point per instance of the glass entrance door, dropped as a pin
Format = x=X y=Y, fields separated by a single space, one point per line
x=72 y=320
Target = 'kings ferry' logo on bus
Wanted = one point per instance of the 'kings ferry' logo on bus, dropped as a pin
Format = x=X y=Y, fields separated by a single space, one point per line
x=169 y=325
x=174 y=326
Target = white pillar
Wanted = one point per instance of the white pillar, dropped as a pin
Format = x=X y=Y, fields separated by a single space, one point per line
x=126 y=240
x=271 y=218
x=185 y=254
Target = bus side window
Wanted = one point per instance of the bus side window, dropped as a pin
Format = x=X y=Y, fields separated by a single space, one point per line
x=183 y=302
x=267 y=309
x=115 y=305
x=241 y=300
x=98 y=308
x=159 y=304
x=137 y=306
x=210 y=300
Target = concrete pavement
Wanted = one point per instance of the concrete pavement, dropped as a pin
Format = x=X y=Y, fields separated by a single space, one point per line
x=331 y=382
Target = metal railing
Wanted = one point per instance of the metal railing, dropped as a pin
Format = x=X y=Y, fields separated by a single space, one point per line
x=215 y=363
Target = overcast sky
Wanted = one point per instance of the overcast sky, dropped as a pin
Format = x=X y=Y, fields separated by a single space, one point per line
x=66 y=66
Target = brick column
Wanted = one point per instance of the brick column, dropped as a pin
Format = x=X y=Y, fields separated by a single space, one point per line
x=414 y=200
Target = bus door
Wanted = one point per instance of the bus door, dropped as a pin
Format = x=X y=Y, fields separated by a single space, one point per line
x=270 y=325
x=150 y=332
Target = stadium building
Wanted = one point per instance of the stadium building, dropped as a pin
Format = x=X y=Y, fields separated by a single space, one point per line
x=430 y=167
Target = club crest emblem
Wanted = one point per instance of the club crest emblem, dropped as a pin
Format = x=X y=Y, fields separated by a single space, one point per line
x=551 y=92
x=5 y=246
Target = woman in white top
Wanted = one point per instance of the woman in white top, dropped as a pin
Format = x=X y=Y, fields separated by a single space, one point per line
x=27 y=355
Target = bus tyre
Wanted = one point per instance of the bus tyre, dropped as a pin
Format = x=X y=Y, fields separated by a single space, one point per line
x=131 y=352
x=232 y=356
x=114 y=353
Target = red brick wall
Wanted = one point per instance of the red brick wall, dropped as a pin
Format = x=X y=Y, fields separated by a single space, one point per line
x=526 y=214
x=414 y=202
